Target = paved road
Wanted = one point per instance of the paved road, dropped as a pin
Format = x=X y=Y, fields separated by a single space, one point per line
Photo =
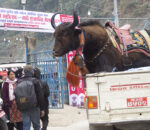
x=83 y=125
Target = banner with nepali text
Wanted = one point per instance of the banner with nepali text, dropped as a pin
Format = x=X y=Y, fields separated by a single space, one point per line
x=23 y=20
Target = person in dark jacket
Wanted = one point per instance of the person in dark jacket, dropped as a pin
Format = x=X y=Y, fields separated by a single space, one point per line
x=44 y=86
x=33 y=115
x=1 y=82
x=19 y=73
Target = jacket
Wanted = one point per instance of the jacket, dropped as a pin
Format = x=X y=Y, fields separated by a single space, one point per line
x=5 y=95
x=38 y=90
x=46 y=92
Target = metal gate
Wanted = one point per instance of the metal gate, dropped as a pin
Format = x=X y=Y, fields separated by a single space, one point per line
x=53 y=72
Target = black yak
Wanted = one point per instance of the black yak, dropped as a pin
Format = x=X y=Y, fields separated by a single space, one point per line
x=98 y=50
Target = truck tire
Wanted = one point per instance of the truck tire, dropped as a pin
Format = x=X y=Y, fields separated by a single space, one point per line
x=96 y=127
x=3 y=125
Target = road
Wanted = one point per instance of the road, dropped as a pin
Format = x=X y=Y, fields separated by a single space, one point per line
x=82 y=125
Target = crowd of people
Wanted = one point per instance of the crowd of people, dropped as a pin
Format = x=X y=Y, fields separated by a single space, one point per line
x=25 y=96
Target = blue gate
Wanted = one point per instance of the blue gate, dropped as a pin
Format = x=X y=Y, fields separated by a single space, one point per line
x=53 y=72
x=147 y=24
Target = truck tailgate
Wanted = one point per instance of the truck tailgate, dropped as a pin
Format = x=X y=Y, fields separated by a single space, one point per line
x=124 y=91
x=122 y=97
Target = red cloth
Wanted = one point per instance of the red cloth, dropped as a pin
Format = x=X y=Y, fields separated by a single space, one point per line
x=14 y=113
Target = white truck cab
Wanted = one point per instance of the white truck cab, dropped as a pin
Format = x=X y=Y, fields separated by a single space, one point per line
x=120 y=99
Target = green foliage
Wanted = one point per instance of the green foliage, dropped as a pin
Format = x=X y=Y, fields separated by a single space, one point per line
x=10 y=4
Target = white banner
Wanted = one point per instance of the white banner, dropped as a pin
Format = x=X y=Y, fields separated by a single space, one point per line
x=22 y=20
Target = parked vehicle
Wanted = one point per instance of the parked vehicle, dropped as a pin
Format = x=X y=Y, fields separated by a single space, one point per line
x=120 y=99
x=3 y=118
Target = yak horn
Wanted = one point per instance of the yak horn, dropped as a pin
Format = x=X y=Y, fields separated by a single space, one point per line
x=53 y=20
x=75 y=21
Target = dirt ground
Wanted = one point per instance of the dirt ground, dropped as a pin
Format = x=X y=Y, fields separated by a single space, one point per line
x=67 y=116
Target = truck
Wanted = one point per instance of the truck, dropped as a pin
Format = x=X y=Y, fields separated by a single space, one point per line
x=119 y=100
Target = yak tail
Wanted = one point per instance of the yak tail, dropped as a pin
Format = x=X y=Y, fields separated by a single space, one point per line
x=72 y=74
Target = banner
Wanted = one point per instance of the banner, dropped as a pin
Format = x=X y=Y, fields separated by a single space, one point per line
x=22 y=20
x=76 y=94
x=3 y=75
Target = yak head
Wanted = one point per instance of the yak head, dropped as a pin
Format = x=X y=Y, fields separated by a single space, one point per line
x=66 y=36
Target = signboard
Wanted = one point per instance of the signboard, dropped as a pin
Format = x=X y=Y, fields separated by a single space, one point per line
x=76 y=94
x=126 y=87
x=22 y=20
x=66 y=18
x=3 y=76
x=3 y=73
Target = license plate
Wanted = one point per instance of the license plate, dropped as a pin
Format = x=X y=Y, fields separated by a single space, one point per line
x=137 y=102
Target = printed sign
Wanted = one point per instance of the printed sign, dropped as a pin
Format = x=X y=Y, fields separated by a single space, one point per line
x=22 y=20
x=126 y=87
x=66 y=18
x=3 y=73
x=76 y=94
x=137 y=102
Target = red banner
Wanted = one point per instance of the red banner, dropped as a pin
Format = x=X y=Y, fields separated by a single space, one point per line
x=76 y=94
x=3 y=73
x=66 y=18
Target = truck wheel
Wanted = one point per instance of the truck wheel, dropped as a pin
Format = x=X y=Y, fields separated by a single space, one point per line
x=3 y=125
x=96 y=127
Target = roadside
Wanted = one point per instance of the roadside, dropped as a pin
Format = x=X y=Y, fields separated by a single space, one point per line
x=67 y=116
x=82 y=125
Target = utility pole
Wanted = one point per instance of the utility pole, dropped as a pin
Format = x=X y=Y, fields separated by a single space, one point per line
x=60 y=5
x=115 y=13
x=24 y=7
x=13 y=51
x=23 y=2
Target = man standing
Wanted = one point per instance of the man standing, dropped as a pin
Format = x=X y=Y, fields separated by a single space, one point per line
x=45 y=88
x=29 y=99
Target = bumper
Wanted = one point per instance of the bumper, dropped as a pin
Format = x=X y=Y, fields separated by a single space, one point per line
x=125 y=125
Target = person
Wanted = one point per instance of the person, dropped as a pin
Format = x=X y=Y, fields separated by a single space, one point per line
x=32 y=115
x=10 y=106
x=45 y=88
x=1 y=82
x=19 y=73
